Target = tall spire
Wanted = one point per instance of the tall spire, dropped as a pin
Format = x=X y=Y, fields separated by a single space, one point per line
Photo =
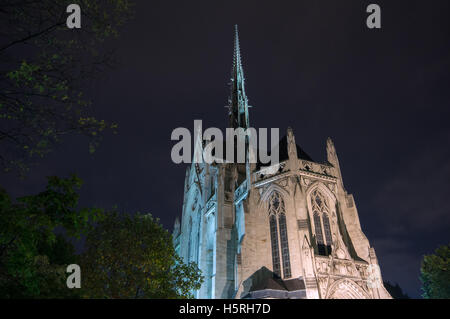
x=237 y=102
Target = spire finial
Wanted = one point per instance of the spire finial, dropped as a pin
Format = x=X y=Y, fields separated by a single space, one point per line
x=237 y=63
x=237 y=53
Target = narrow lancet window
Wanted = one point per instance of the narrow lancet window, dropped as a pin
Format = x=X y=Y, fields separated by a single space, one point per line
x=319 y=235
x=279 y=236
x=322 y=227
x=189 y=257
x=327 y=230
x=274 y=242
x=284 y=246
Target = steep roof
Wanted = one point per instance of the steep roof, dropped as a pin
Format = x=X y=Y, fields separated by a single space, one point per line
x=282 y=146
x=265 y=284
x=284 y=151
x=284 y=155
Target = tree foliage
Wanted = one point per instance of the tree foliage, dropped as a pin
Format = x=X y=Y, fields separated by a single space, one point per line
x=43 y=71
x=435 y=274
x=133 y=257
x=32 y=257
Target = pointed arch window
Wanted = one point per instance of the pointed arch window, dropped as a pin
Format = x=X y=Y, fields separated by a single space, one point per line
x=279 y=236
x=322 y=228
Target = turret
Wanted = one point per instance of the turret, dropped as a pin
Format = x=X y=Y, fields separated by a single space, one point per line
x=292 y=147
x=333 y=160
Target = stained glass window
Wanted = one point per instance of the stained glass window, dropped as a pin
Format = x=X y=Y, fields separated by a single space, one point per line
x=279 y=236
x=319 y=235
x=190 y=239
x=284 y=245
x=275 y=249
x=321 y=222
x=327 y=230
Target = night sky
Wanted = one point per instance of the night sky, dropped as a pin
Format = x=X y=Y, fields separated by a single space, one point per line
x=381 y=95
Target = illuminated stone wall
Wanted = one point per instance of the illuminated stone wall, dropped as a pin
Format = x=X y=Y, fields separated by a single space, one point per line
x=225 y=228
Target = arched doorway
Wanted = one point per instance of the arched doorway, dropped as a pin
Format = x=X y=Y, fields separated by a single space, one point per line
x=346 y=289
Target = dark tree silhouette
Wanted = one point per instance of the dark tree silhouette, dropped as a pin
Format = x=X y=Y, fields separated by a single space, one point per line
x=133 y=257
x=44 y=67
x=435 y=274
x=395 y=291
x=33 y=259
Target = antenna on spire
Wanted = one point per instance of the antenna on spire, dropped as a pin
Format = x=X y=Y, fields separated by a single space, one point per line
x=237 y=51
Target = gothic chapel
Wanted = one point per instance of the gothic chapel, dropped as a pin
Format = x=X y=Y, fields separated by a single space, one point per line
x=289 y=233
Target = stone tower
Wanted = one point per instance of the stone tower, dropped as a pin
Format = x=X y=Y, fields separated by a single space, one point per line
x=260 y=232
